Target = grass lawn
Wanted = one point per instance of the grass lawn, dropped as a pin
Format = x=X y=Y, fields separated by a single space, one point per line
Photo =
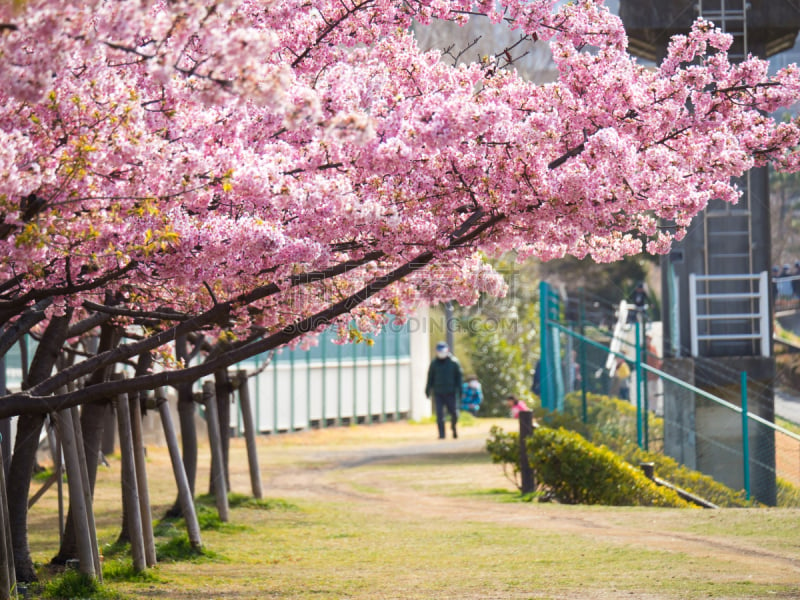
x=387 y=511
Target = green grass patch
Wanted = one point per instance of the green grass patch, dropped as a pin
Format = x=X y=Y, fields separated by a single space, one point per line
x=244 y=501
x=167 y=527
x=121 y=569
x=179 y=548
x=209 y=520
x=72 y=585
x=45 y=474
x=501 y=495
x=787 y=425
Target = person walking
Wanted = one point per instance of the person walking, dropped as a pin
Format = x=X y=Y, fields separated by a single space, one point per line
x=445 y=379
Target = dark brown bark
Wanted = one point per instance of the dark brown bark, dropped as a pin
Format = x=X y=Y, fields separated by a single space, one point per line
x=25 y=446
x=19 y=485
x=5 y=424
x=109 y=442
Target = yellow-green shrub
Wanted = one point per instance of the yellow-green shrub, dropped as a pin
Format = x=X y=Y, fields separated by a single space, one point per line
x=612 y=423
x=578 y=472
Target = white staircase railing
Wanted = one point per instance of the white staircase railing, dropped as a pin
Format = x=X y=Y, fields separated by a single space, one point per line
x=702 y=323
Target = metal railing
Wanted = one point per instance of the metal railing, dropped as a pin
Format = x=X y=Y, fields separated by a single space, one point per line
x=755 y=321
x=777 y=453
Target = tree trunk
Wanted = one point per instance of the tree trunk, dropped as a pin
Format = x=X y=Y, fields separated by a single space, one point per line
x=77 y=498
x=217 y=469
x=8 y=580
x=92 y=423
x=5 y=424
x=130 y=488
x=186 y=412
x=249 y=433
x=19 y=486
x=109 y=441
x=184 y=493
x=25 y=446
x=87 y=488
x=137 y=407
x=222 y=391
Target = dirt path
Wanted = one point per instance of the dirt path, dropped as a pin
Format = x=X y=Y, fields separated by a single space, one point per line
x=363 y=468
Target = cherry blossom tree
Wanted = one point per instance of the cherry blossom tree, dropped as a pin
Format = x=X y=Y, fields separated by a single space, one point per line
x=259 y=171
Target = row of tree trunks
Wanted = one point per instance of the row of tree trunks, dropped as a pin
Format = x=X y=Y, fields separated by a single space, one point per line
x=89 y=426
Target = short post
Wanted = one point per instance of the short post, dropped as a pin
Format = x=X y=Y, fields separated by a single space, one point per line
x=649 y=469
x=525 y=470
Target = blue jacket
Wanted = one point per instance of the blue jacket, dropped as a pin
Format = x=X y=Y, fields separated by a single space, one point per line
x=471 y=396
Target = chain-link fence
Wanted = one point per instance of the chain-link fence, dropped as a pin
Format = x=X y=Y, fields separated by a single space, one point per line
x=727 y=429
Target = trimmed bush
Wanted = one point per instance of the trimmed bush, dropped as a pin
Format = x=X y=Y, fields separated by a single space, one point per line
x=578 y=472
x=612 y=423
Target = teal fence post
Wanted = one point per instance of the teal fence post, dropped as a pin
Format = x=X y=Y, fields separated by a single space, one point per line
x=544 y=351
x=397 y=378
x=643 y=385
x=275 y=394
x=745 y=437
x=638 y=371
x=369 y=385
x=582 y=355
x=308 y=389
x=338 y=384
x=383 y=376
x=291 y=390
x=323 y=345
x=557 y=389
x=354 y=420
